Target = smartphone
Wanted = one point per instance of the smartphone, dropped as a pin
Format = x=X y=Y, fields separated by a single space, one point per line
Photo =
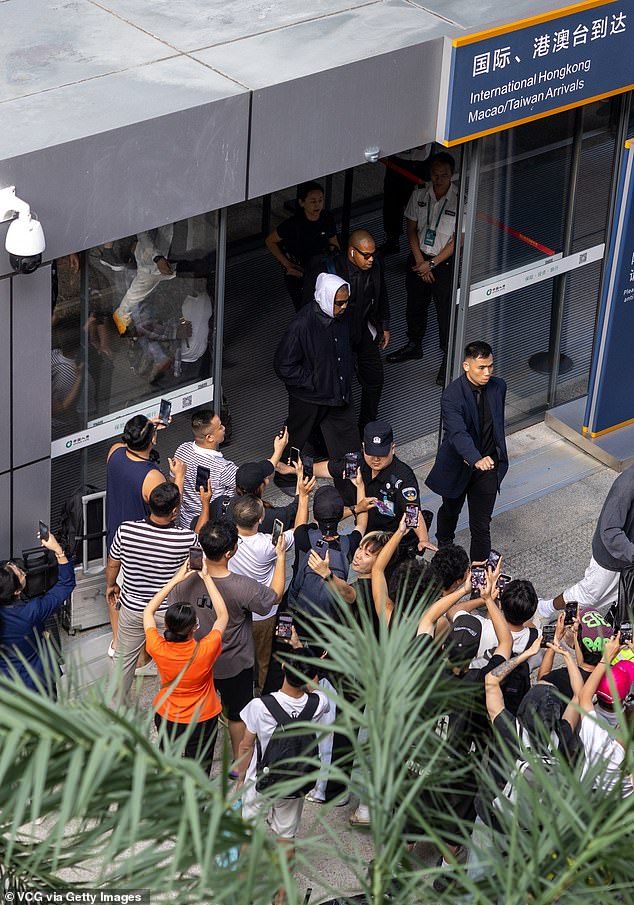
x=351 y=465
x=571 y=613
x=411 y=516
x=202 y=476
x=44 y=532
x=278 y=527
x=478 y=578
x=548 y=634
x=493 y=560
x=626 y=632
x=284 y=626
x=165 y=411
x=308 y=462
x=195 y=558
x=502 y=582
x=294 y=456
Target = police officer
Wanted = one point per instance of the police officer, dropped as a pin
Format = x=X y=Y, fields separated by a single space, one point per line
x=388 y=480
x=367 y=314
x=431 y=227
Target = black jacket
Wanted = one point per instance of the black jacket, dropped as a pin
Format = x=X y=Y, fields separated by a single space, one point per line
x=368 y=293
x=314 y=358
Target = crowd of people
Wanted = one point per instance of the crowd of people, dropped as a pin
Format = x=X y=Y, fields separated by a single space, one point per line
x=198 y=582
x=211 y=585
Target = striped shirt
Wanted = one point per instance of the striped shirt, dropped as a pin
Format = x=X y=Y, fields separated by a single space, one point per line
x=150 y=555
x=222 y=474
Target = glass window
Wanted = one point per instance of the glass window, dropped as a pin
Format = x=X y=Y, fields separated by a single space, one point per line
x=132 y=323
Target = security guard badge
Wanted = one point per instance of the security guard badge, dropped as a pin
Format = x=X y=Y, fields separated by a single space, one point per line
x=430 y=237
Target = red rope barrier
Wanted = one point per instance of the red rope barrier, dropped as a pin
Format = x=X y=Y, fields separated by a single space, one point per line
x=507 y=229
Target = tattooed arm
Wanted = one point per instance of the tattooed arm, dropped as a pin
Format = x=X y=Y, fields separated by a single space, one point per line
x=494 y=695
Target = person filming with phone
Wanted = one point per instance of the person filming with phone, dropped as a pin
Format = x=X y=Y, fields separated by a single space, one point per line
x=187 y=694
x=24 y=652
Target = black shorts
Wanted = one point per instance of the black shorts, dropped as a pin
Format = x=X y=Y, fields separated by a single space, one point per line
x=236 y=692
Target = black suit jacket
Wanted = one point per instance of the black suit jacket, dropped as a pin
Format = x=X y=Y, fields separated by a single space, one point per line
x=459 y=449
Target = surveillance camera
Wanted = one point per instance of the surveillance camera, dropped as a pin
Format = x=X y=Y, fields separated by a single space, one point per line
x=372 y=154
x=24 y=241
x=25 y=244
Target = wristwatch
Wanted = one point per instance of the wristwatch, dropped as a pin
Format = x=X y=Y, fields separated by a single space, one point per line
x=432 y=264
x=158 y=258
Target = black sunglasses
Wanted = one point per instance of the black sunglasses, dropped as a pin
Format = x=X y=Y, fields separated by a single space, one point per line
x=365 y=254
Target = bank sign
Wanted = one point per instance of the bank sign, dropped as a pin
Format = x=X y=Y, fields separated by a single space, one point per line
x=536 y=67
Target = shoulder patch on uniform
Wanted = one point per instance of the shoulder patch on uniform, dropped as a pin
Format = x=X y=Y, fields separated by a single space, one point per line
x=409 y=493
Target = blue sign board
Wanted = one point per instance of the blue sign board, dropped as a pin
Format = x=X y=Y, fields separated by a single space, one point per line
x=537 y=67
x=611 y=393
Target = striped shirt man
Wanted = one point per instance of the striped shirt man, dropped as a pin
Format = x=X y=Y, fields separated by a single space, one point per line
x=222 y=473
x=150 y=555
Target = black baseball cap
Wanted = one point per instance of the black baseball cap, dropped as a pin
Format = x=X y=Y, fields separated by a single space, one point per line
x=378 y=437
x=250 y=475
x=328 y=505
x=463 y=641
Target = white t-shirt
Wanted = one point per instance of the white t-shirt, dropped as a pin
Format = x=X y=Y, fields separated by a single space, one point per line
x=438 y=216
x=258 y=720
x=598 y=745
x=489 y=640
x=197 y=310
x=256 y=558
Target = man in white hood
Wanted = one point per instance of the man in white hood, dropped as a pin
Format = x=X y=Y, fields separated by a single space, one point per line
x=315 y=362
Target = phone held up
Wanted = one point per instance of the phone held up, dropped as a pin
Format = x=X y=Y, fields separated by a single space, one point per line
x=351 y=463
x=626 y=632
x=165 y=411
x=284 y=626
x=195 y=558
x=43 y=531
x=411 y=516
x=278 y=527
x=308 y=463
x=293 y=457
x=548 y=635
x=202 y=477
x=571 y=613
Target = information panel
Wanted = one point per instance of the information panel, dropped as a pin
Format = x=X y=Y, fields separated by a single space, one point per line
x=611 y=394
x=537 y=67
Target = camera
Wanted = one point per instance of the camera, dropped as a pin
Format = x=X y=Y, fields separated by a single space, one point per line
x=24 y=241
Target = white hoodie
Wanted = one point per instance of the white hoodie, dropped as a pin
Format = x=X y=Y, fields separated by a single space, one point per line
x=326 y=288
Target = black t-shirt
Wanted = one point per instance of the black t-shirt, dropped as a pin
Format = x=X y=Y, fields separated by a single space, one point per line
x=561 y=680
x=395 y=485
x=364 y=601
x=303 y=238
x=222 y=507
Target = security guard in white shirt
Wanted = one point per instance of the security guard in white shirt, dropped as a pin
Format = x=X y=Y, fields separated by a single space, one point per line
x=431 y=227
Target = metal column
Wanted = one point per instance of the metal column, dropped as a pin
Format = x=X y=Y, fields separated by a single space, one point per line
x=555 y=354
x=219 y=306
x=463 y=264
x=346 y=207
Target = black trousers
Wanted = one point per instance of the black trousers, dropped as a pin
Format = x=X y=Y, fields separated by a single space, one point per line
x=396 y=193
x=336 y=423
x=419 y=297
x=295 y=288
x=370 y=374
x=480 y=494
x=201 y=743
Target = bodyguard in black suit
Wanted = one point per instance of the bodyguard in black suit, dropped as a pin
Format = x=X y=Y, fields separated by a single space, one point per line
x=472 y=459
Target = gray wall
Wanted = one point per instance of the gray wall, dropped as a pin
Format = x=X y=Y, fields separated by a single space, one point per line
x=323 y=123
x=25 y=408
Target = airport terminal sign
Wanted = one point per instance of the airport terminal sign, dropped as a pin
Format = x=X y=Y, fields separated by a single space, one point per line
x=537 y=67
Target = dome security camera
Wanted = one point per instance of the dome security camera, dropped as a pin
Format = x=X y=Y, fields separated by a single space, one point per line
x=24 y=241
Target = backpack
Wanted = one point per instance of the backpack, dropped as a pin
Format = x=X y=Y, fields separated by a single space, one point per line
x=71 y=527
x=279 y=760
x=308 y=592
x=518 y=683
x=523 y=774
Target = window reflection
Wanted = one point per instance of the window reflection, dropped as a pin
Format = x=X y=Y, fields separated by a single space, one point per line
x=132 y=321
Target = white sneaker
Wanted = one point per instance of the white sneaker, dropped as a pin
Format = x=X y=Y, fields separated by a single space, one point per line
x=148 y=670
x=315 y=797
x=361 y=816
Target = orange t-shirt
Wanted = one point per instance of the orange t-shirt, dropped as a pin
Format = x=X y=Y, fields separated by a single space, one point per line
x=195 y=692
